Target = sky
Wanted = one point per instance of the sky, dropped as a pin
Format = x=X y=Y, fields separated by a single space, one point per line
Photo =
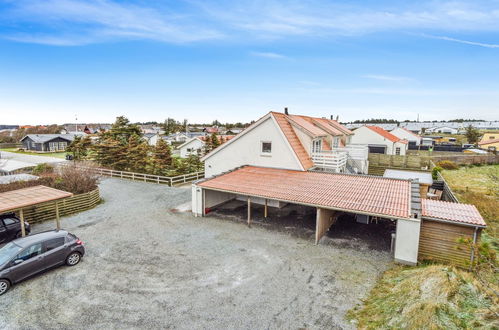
x=236 y=60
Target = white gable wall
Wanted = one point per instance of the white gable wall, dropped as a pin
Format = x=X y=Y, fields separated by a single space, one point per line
x=246 y=150
x=366 y=136
x=194 y=145
x=403 y=134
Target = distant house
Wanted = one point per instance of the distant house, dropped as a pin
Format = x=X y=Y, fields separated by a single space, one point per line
x=196 y=145
x=211 y=130
x=47 y=142
x=492 y=144
x=404 y=133
x=489 y=136
x=442 y=129
x=151 y=138
x=380 y=141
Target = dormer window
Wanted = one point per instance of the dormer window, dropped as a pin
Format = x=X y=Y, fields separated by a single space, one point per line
x=316 y=145
x=336 y=142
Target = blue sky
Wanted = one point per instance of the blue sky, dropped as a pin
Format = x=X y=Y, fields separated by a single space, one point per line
x=236 y=60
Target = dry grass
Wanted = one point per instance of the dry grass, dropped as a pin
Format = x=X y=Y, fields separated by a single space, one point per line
x=428 y=297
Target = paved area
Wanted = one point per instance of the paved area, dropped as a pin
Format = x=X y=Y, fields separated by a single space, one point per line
x=150 y=266
x=11 y=161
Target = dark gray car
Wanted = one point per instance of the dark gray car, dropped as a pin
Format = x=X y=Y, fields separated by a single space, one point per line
x=27 y=256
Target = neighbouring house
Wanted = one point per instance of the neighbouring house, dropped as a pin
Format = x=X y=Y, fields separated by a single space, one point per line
x=290 y=142
x=196 y=145
x=405 y=134
x=47 y=142
x=489 y=136
x=491 y=144
x=476 y=151
x=380 y=141
x=151 y=138
x=276 y=165
x=211 y=130
x=442 y=129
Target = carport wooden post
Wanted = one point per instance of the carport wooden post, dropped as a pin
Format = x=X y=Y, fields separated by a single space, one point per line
x=249 y=212
x=57 y=218
x=21 y=216
x=265 y=215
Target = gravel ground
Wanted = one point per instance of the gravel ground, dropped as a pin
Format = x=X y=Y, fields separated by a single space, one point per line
x=148 y=266
x=11 y=161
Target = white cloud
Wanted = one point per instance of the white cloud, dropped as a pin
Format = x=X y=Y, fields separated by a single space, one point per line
x=386 y=78
x=268 y=55
x=467 y=42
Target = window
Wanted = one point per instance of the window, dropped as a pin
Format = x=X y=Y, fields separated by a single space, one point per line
x=492 y=137
x=62 y=145
x=316 y=146
x=54 y=243
x=336 y=142
x=30 y=252
x=397 y=151
x=9 y=221
x=266 y=147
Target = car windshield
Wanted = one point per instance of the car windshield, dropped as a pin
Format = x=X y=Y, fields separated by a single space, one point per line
x=9 y=251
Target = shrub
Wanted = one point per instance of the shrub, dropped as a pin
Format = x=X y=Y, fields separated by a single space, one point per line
x=434 y=172
x=43 y=168
x=76 y=179
x=447 y=165
x=48 y=181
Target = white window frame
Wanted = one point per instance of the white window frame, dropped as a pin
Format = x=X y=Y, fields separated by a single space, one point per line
x=397 y=151
x=316 y=145
x=265 y=153
x=336 y=141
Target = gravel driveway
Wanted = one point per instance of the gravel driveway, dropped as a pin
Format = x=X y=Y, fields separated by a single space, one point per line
x=149 y=267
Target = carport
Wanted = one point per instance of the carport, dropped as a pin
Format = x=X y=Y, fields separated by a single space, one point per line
x=329 y=193
x=17 y=200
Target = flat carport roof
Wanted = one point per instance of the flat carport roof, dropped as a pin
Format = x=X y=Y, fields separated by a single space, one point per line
x=385 y=197
x=16 y=200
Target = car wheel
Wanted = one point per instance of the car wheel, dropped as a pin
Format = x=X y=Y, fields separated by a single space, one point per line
x=73 y=259
x=19 y=234
x=4 y=286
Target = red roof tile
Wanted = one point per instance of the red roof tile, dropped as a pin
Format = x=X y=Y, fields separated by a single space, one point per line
x=385 y=134
x=293 y=140
x=456 y=212
x=306 y=123
x=355 y=193
x=488 y=142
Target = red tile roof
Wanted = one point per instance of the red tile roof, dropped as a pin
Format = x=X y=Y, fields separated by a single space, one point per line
x=456 y=212
x=293 y=140
x=328 y=126
x=355 y=193
x=306 y=123
x=488 y=142
x=17 y=199
x=385 y=134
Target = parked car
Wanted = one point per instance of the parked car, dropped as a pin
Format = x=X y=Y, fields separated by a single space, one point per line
x=10 y=227
x=30 y=255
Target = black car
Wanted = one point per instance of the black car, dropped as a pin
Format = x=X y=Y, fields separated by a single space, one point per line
x=28 y=256
x=10 y=227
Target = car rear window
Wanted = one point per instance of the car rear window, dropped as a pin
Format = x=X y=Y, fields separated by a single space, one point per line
x=54 y=243
x=9 y=221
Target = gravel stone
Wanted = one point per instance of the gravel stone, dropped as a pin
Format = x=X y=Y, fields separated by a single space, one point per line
x=148 y=265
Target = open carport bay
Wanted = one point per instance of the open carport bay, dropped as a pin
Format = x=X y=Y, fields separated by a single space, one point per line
x=148 y=266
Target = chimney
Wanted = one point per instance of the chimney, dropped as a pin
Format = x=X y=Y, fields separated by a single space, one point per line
x=286 y=111
x=331 y=117
x=337 y=117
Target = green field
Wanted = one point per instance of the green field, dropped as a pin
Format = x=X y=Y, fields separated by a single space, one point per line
x=47 y=154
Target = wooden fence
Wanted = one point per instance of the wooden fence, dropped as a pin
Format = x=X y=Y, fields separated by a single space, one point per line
x=71 y=205
x=448 y=194
x=10 y=145
x=168 y=180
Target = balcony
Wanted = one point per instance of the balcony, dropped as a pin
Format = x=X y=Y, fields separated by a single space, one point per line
x=331 y=161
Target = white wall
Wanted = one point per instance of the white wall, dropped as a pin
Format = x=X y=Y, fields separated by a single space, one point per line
x=193 y=144
x=197 y=200
x=246 y=150
x=403 y=134
x=407 y=241
x=213 y=198
x=364 y=135
x=261 y=201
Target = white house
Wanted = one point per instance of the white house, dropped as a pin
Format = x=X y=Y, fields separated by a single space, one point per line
x=405 y=134
x=195 y=146
x=380 y=141
x=290 y=142
x=284 y=159
x=442 y=129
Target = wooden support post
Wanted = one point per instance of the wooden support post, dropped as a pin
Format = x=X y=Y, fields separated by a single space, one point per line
x=266 y=211
x=57 y=218
x=21 y=216
x=249 y=212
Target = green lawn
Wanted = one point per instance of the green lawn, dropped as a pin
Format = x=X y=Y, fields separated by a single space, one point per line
x=47 y=154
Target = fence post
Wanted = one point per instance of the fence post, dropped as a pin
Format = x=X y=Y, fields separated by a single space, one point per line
x=133 y=176
x=157 y=178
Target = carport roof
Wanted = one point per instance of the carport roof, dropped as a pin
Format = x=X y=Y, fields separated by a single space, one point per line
x=18 y=199
x=454 y=212
x=353 y=193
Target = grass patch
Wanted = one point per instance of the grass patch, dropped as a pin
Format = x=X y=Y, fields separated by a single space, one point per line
x=427 y=297
x=47 y=154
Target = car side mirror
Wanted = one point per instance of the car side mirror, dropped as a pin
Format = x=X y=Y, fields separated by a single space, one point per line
x=18 y=261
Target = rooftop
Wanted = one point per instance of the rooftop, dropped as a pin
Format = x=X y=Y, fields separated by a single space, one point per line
x=455 y=212
x=353 y=193
x=386 y=134
x=17 y=199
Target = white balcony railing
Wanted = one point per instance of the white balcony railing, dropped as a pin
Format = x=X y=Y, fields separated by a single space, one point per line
x=357 y=157
x=334 y=161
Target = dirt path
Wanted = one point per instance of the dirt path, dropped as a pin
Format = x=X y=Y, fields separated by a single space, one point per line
x=147 y=267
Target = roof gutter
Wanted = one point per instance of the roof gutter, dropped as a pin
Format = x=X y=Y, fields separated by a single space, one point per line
x=465 y=224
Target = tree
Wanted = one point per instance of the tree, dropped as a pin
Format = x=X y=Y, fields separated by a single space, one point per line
x=137 y=155
x=162 y=158
x=172 y=126
x=214 y=140
x=122 y=130
x=111 y=153
x=79 y=147
x=472 y=134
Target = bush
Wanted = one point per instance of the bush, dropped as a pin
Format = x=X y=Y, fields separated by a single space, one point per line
x=76 y=179
x=434 y=172
x=43 y=168
x=447 y=165
x=48 y=181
